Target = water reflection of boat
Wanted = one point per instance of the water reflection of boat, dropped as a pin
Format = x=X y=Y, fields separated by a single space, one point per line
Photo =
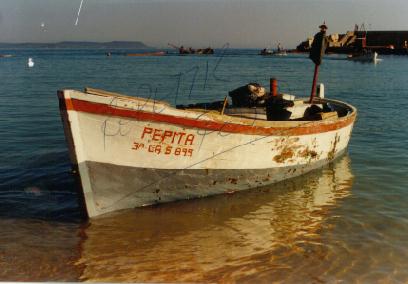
x=221 y=239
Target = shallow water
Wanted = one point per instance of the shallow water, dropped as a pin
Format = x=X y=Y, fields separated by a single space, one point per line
x=347 y=221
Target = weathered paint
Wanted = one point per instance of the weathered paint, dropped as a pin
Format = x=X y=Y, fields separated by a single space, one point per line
x=185 y=154
x=117 y=187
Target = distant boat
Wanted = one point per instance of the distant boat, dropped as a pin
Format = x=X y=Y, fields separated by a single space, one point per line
x=158 y=53
x=6 y=55
x=365 y=56
x=266 y=51
x=278 y=52
x=132 y=151
x=207 y=50
x=184 y=51
x=30 y=62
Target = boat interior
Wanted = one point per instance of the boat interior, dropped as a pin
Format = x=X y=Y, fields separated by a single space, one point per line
x=280 y=107
x=254 y=102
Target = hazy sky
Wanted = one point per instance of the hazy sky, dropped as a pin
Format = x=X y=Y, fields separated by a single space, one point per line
x=242 y=23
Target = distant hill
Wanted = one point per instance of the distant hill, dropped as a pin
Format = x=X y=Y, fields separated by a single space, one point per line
x=79 y=44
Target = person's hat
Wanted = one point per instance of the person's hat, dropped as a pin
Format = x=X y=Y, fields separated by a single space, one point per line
x=323 y=26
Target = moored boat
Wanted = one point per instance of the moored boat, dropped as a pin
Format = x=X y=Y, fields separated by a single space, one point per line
x=266 y=51
x=367 y=56
x=186 y=51
x=269 y=52
x=278 y=52
x=131 y=151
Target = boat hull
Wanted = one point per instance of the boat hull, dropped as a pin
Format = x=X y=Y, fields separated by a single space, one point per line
x=116 y=187
x=133 y=153
x=365 y=58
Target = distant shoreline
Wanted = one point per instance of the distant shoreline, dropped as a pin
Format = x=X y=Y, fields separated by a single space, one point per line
x=79 y=44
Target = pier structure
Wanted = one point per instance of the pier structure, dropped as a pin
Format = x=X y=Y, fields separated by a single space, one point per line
x=383 y=42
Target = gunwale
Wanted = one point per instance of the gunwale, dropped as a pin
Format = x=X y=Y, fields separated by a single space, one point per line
x=144 y=109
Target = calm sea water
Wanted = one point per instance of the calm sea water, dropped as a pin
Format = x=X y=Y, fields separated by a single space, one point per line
x=345 y=222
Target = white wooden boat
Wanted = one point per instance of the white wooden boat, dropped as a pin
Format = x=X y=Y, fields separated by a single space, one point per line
x=131 y=152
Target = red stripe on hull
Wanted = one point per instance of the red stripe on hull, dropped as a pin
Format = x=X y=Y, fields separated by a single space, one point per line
x=107 y=110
